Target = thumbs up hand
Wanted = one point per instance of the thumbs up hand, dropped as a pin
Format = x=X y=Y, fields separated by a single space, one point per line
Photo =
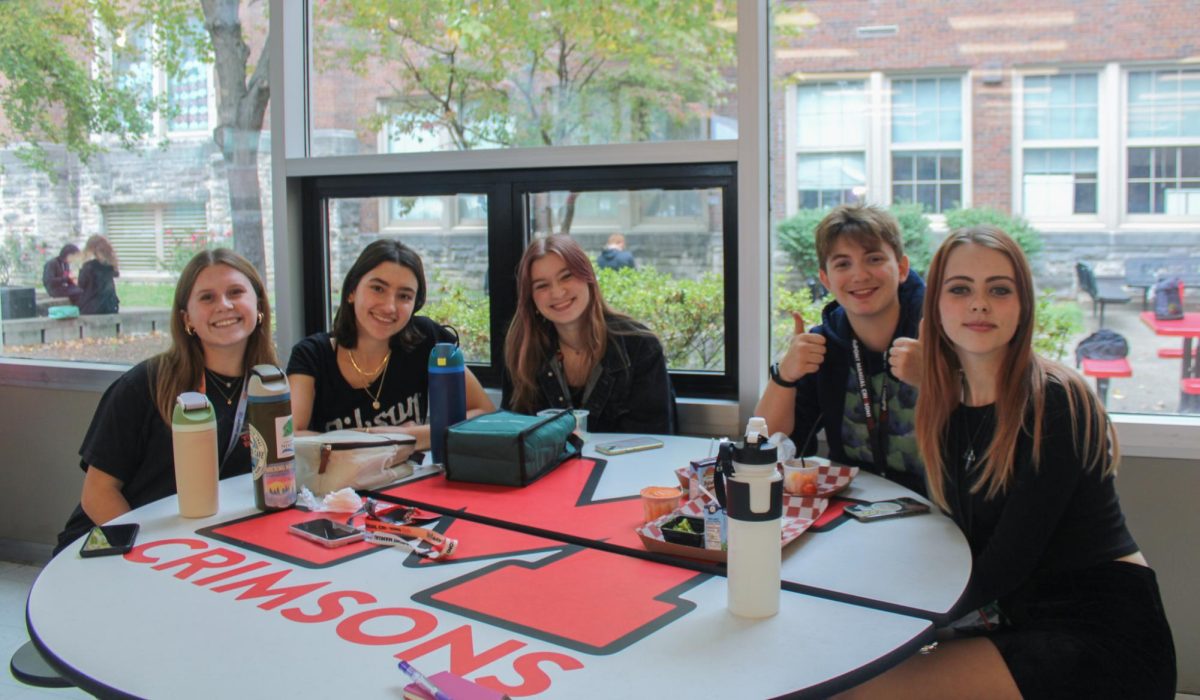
x=904 y=358
x=805 y=353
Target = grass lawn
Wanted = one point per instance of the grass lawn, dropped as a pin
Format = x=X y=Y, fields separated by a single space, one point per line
x=153 y=294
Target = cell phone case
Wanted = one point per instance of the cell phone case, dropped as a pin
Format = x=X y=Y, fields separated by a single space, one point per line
x=882 y=510
x=98 y=541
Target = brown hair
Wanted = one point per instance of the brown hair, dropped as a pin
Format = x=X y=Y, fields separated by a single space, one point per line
x=866 y=225
x=1020 y=397
x=531 y=337
x=98 y=248
x=345 y=325
x=180 y=367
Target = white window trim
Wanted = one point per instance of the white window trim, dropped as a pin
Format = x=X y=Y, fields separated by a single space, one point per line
x=1140 y=221
x=1021 y=144
x=963 y=145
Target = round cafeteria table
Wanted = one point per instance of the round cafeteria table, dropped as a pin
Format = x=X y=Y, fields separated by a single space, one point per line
x=233 y=606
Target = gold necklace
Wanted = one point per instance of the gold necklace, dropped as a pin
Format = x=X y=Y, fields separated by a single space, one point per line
x=358 y=369
x=218 y=381
x=383 y=375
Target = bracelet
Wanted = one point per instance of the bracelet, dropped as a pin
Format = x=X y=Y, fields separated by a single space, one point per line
x=775 y=377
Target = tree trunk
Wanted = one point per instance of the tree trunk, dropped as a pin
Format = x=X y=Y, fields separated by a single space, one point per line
x=241 y=107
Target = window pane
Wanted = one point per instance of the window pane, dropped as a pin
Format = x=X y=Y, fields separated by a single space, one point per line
x=831 y=114
x=950 y=197
x=167 y=195
x=1139 y=198
x=567 y=74
x=922 y=170
x=456 y=261
x=1085 y=198
x=675 y=239
x=1139 y=162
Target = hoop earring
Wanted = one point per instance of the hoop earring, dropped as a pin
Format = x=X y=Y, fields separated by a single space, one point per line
x=188 y=329
x=260 y=318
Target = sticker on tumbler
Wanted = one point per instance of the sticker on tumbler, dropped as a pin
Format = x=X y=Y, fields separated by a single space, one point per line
x=258 y=452
x=283 y=436
x=279 y=484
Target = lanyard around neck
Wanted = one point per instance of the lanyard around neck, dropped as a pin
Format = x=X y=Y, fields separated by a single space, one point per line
x=238 y=416
x=876 y=427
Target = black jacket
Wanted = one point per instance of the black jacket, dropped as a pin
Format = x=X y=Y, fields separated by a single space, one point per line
x=632 y=392
x=99 y=289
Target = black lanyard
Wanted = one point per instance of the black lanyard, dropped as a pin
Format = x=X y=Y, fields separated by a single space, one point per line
x=876 y=429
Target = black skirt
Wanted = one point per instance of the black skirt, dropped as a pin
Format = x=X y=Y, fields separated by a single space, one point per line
x=1098 y=632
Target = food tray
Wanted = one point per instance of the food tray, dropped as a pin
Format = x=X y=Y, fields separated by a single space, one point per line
x=799 y=513
x=831 y=478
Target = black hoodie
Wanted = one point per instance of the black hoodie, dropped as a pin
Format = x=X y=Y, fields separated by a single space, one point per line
x=822 y=395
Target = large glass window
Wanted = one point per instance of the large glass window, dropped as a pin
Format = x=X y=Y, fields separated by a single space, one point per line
x=170 y=191
x=430 y=78
x=678 y=222
x=1060 y=132
x=1163 y=157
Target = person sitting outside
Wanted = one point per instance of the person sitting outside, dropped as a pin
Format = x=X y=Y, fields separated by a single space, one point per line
x=855 y=374
x=97 y=278
x=57 y=277
x=614 y=256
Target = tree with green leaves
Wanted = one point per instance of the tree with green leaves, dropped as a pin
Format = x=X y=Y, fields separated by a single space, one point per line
x=60 y=86
x=487 y=73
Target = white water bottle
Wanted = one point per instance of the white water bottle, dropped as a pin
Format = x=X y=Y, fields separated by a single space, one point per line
x=752 y=493
x=194 y=441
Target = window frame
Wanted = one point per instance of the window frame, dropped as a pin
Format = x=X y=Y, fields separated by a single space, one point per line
x=1127 y=142
x=506 y=190
x=891 y=148
x=1104 y=97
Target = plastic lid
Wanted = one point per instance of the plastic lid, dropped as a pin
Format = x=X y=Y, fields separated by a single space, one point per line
x=756 y=429
x=755 y=452
x=192 y=408
x=445 y=356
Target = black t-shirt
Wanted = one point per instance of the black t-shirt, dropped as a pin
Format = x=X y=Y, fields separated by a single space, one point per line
x=405 y=392
x=128 y=440
x=1055 y=518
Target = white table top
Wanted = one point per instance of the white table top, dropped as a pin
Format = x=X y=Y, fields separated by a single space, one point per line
x=150 y=626
x=920 y=562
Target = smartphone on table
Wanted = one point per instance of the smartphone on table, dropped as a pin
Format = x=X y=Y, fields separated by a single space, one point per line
x=106 y=540
x=327 y=532
x=881 y=510
x=627 y=445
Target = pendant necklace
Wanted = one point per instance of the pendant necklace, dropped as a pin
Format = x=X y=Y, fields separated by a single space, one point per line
x=969 y=455
x=382 y=369
x=372 y=373
x=219 y=381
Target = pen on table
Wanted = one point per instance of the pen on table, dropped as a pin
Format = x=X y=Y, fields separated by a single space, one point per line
x=422 y=680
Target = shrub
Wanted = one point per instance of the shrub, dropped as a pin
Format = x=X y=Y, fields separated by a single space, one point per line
x=22 y=259
x=1057 y=323
x=1022 y=232
x=782 y=326
x=687 y=315
x=467 y=310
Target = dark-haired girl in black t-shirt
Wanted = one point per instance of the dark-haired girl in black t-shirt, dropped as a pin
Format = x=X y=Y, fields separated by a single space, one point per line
x=220 y=326
x=1021 y=454
x=372 y=371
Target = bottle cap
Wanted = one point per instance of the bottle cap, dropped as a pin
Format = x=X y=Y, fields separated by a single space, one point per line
x=756 y=429
x=192 y=409
x=446 y=357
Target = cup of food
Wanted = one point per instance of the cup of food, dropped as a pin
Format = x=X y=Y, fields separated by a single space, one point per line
x=658 y=501
x=800 y=479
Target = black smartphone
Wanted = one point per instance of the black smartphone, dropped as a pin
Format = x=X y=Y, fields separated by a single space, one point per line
x=104 y=540
x=881 y=510
x=635 y=444
x=328 y=532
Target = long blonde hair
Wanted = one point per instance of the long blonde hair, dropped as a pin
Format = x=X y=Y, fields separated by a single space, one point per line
x=531 y=338
x=180 y=367
x=1020 y=397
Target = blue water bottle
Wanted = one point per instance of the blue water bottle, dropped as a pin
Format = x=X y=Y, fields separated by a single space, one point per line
x=447 y=395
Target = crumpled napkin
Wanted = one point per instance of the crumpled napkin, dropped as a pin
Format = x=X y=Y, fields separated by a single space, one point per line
x=341 y=501
x=784 y=447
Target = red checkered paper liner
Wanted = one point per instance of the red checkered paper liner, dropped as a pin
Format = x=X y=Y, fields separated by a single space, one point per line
x=799 y=513
x=831 y=478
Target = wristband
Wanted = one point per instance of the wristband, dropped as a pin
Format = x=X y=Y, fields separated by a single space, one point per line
x=775 y=377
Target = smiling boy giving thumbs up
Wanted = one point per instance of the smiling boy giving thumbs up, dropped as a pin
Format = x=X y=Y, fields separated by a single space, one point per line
x=836 y=375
